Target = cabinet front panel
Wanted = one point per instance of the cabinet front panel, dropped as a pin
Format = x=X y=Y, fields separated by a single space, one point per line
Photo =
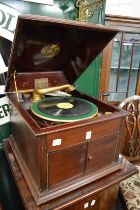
x=65 y=138
x=66 y=164
x=60 y=140
x=90 y=203
x=104 y=200
x=101 y=152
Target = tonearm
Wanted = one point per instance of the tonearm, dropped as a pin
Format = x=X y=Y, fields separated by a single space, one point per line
x=38 y=93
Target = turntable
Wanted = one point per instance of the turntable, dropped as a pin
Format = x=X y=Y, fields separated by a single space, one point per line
x=61 y=138
x=64 y=109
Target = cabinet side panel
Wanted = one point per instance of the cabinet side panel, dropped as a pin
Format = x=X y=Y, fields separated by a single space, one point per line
x=26 y=144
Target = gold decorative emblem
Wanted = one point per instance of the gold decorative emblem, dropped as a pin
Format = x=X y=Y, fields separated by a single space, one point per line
x=87 y=8
x=51 y=50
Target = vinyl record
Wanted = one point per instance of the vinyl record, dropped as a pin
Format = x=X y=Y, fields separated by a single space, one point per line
x=64 y=109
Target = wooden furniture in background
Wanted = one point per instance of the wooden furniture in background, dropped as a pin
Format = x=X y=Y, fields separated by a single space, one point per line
x=120 y=72
x=131 y=130
x=130 y=187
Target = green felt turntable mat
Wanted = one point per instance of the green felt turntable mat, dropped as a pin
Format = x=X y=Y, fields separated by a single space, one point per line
x=64 y=109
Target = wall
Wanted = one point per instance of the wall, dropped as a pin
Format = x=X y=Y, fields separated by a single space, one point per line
x=123 y=8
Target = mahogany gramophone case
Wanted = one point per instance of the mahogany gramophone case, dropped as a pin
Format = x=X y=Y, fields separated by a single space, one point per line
x=62 y=139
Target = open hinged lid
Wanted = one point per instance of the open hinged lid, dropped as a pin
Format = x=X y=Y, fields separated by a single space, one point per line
x=58 y=49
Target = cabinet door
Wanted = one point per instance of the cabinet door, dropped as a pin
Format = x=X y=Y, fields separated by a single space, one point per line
x=101 y=152
x=66 y=164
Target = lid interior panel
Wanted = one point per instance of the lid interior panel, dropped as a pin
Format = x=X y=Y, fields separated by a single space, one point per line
x=47 y=45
